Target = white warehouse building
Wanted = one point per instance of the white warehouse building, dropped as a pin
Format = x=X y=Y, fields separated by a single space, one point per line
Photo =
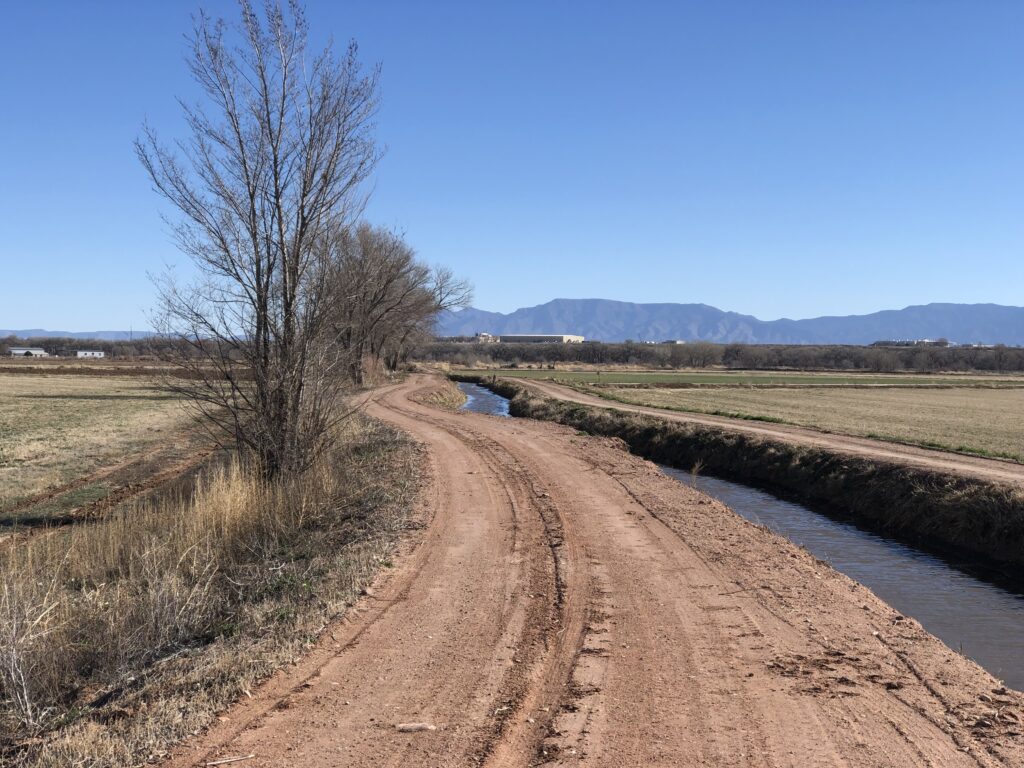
x=541 y=338
x=28 y=352
x=90 y=353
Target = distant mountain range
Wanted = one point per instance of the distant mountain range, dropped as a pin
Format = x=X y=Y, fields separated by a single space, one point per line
x=606 y=320
x=39 y=333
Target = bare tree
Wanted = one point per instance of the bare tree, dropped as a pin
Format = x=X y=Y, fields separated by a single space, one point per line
x=383 y=298
x=274 y=163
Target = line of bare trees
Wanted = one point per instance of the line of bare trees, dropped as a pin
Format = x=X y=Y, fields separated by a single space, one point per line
x=293 y=291
x=386 y=300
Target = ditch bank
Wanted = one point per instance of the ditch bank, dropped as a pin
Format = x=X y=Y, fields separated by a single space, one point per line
x=957 y=518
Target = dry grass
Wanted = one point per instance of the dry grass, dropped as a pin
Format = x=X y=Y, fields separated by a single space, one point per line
x=119 y=638
x=983 y=421
x=54 y=429
x=446 y=395
x=101 y=367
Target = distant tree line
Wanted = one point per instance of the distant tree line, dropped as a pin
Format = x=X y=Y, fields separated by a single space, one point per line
x=68 y=347
x=738 y=356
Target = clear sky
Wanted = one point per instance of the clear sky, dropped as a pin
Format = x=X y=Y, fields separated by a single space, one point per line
x=776 y=158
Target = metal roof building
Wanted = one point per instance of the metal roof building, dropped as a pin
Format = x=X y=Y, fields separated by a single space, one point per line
x=541 y=338
x=28 y=352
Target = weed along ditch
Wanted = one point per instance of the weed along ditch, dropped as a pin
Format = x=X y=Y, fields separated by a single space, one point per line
x=980 y=619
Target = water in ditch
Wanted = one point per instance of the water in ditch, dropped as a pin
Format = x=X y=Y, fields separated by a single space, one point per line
x=982 y=620
x=482 y=400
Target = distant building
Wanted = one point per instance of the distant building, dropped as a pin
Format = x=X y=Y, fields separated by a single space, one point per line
x=28 y=352
x=542 y=338
x=485 y=338
x=90 y=353
x=913 y=343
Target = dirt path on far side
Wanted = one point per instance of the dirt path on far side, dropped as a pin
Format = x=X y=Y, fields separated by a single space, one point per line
x=567 y=604
x=993 y=470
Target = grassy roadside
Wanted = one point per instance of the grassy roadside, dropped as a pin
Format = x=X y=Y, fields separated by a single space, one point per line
x=445 y=395
x=931 y=510
x=994 y=451
x=120 y=638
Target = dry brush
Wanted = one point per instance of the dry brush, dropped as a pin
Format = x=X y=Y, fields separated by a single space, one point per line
x=120 y=637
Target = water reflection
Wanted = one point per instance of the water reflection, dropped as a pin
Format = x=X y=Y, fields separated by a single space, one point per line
x=481 y=400
x=982 y=620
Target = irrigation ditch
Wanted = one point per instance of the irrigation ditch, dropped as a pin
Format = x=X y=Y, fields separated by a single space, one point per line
x=975 y=525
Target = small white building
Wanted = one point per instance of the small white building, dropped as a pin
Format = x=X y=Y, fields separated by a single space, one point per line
x=90 y=353
x=28 y=352
x=541 y=338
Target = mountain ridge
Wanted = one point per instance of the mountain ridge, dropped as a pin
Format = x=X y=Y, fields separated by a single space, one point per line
x=609 y=320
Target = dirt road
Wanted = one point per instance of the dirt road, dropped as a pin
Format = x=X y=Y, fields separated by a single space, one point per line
x=941 y=461
x=567 y=604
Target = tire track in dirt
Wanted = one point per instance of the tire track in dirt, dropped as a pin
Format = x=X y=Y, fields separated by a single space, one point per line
x=570 y=605
x=144 y=466
x=468 y=625
x=135 y=460
x=132 y=476
x=828 y=650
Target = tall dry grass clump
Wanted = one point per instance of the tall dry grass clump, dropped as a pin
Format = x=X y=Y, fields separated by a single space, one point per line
x=444 y=394
x=109 y=629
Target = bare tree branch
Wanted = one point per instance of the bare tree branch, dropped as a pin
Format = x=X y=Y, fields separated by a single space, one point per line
x=271 y=171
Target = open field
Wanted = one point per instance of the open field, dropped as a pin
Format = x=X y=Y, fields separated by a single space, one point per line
x=686 y=378
x=71 y=366
x=71 y=436
x=987 y=422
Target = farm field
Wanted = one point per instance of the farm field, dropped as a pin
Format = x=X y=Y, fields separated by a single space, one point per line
x=987 y=422
x=65 y=366
x=68 y=441
x=721 y=378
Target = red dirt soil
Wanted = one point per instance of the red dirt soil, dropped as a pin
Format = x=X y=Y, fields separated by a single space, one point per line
x=566 y=604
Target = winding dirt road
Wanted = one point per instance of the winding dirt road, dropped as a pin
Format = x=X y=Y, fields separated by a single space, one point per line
x=566 y=603
x=993 y=470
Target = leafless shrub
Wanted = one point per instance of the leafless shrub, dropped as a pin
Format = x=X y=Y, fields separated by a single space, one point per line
x=29 y=617
x=273 y=166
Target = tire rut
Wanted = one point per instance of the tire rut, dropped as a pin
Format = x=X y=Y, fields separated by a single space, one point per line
x=567 y=604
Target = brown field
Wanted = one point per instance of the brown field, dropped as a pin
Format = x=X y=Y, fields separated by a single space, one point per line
x=199 y=590
x=61 y=431
x=120 y=637
x=988 y=422
x=73 y=366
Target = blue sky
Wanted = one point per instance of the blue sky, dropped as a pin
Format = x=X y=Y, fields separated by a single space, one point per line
x=780 y=159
